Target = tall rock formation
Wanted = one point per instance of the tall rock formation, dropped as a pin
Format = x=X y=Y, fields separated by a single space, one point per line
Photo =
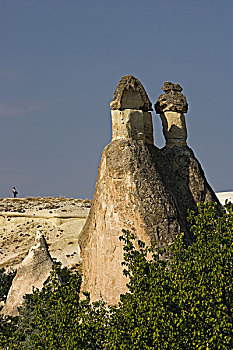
x=139 y=187
x=33 y=272
x=183 y=175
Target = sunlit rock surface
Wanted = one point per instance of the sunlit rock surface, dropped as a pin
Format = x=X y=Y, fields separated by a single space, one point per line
x=59 y=219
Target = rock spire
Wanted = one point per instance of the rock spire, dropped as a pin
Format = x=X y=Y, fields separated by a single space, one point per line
x=171 y=106
x=136 y=190
x=130 y=94
x=131 y=116
x=33 y=272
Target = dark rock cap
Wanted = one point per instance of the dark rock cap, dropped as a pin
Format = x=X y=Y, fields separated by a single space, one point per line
x=130 y=94
x=173 y=100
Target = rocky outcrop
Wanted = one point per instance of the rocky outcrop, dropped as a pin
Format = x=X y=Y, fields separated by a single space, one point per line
x=59 y=219
x=139 y=187
x=33 y=272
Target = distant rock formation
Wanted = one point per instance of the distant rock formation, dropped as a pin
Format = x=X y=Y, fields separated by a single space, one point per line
x=59 y=219
x=33 y=272
x=139 y=187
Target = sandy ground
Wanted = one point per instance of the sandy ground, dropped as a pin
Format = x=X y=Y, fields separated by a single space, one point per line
x=222 y=196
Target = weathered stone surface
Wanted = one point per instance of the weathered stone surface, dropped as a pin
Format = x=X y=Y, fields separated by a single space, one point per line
x=59 y=219
x=132 y=124
x=171 y=107
x=174 y=128
x=142 y=189
x=185 y=179
x=33 y=272
x=130 y=94
x=173 y=100
x=129 y=194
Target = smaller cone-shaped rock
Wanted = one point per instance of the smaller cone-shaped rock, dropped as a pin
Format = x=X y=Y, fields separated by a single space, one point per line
x=33 y=272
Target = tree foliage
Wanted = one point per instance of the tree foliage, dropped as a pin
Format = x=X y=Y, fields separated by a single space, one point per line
x=7 y=324
x=5 y=282
x=179 y=298
x=55 y=317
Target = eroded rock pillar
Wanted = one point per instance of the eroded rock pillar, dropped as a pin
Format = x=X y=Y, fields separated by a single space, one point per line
x=171 y=106
x=131 y=116
x=130 y=194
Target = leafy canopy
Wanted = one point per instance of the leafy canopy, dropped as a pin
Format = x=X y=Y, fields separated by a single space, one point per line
x=179 y=298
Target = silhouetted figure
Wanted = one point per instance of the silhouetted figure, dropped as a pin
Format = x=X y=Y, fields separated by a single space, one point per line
x=14 y=191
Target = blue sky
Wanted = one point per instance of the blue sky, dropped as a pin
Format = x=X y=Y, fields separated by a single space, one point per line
x=60 y=62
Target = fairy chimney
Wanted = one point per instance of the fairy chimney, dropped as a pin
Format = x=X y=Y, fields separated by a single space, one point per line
x=140 y=187
x=171 y=106
x=33 y=272
x=129 y=194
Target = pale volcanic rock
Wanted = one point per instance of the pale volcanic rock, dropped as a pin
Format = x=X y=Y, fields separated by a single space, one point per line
x=33 y=272
x=174 y=128
x=59 y=219
x=130 y=195
x=132 y=124
x=139 y=187
x=171 y=106
x=130 y=94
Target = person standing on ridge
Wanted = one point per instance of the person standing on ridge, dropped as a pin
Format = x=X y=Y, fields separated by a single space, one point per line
x=14 y=191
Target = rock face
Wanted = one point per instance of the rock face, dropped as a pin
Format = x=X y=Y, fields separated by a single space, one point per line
x=139 y=188
x=33 y=272
x=132 y=124
x=130 y=194
x=59 y=219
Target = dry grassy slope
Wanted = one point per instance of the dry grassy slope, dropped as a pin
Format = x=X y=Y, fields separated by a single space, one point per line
x=59 y=219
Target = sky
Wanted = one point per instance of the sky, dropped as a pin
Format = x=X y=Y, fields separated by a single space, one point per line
x=60 y=62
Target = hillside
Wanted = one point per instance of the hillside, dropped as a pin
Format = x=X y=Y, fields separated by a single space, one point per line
x=59 y=219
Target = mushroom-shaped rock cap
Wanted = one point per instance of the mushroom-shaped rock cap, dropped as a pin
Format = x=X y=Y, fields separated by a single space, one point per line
x=173 y=100
x=168 y=86
x=130 y=94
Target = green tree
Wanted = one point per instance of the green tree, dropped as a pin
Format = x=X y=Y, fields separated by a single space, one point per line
x=6 y=279
x=179 y=298
x=56 y=318
x=8 y=324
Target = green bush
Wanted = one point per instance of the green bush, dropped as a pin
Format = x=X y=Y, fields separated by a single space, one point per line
x=181 y=298
x=55 y=317
x=6 y=279
x=7 y=324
